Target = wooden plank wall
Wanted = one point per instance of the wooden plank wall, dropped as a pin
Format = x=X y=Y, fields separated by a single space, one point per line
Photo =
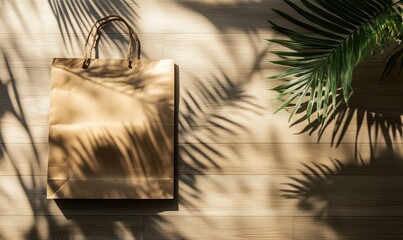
x=242 y=172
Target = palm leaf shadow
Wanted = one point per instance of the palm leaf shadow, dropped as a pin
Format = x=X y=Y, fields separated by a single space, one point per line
x=32 y=185
x=374 y=109
x=73 y=16
x=230 y=18
x=340 y=37
x=201 y=110
x=349 y=188
x=201 y=121
x=227 y=16
x=11 y=104
x=358 y=186
x=225 y=93
x=9 y=94
x=121 y=155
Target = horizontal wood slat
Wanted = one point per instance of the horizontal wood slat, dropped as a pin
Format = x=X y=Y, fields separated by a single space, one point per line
x=37 y=50
x=217 y=227
x=207 y=16
x=242 y=172
x=60 y=227
x=223 y=102
x=370 y=228
x=237 y=159
x=228 y=195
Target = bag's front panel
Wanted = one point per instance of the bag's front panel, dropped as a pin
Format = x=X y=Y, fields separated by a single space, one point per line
x=111 y=129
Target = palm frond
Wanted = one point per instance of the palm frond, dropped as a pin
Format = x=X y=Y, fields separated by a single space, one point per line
x=335 y=36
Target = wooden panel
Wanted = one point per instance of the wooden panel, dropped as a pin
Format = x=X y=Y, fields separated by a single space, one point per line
x=229 y=195
x=239 y=159
x=223 y=102
x=242 y=171
x=216 y=50
x=225 y=50
x=17 y=130
x=205 y=227
x=267 y=129
x=147 y=16
x=370 y=228
x=24 y=159
x=285 y=158
x=208 y=50
x=58 y=227
x=244 y=159
x=37 y=50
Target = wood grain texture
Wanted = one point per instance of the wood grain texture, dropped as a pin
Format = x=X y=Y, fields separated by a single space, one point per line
x=205 y=16
x=348 y=228
x=37 y=50
x=241 y=171
x=236 y=159
x=218 y=228
x=58 y=227
x=222 y=101
x=229 y=195
x=273 y=159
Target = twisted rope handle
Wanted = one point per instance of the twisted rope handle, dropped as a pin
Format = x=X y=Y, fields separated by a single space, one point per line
x=102 y=23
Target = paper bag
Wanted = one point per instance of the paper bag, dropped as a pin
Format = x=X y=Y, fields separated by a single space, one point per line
x=111 y=126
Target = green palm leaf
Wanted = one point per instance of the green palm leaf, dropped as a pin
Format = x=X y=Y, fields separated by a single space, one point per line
x=337 y=35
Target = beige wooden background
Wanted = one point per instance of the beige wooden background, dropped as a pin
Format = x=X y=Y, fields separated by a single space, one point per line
x=242 y=172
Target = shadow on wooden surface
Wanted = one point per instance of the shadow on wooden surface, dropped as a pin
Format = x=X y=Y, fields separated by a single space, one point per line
x=11 y=104
x=216 y=12
x=205 y=106
x=84 y=12
x=76 y=16
x=365 y=188
x=375 y=105
x=338 y=192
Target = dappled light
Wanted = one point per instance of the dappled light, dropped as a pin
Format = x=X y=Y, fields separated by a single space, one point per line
x=366 y=183
x=111 y=121
x=370 y=187
x=239 y=171
x=374 y=114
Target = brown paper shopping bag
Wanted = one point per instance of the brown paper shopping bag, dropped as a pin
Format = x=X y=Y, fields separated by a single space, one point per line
x=111 y=126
